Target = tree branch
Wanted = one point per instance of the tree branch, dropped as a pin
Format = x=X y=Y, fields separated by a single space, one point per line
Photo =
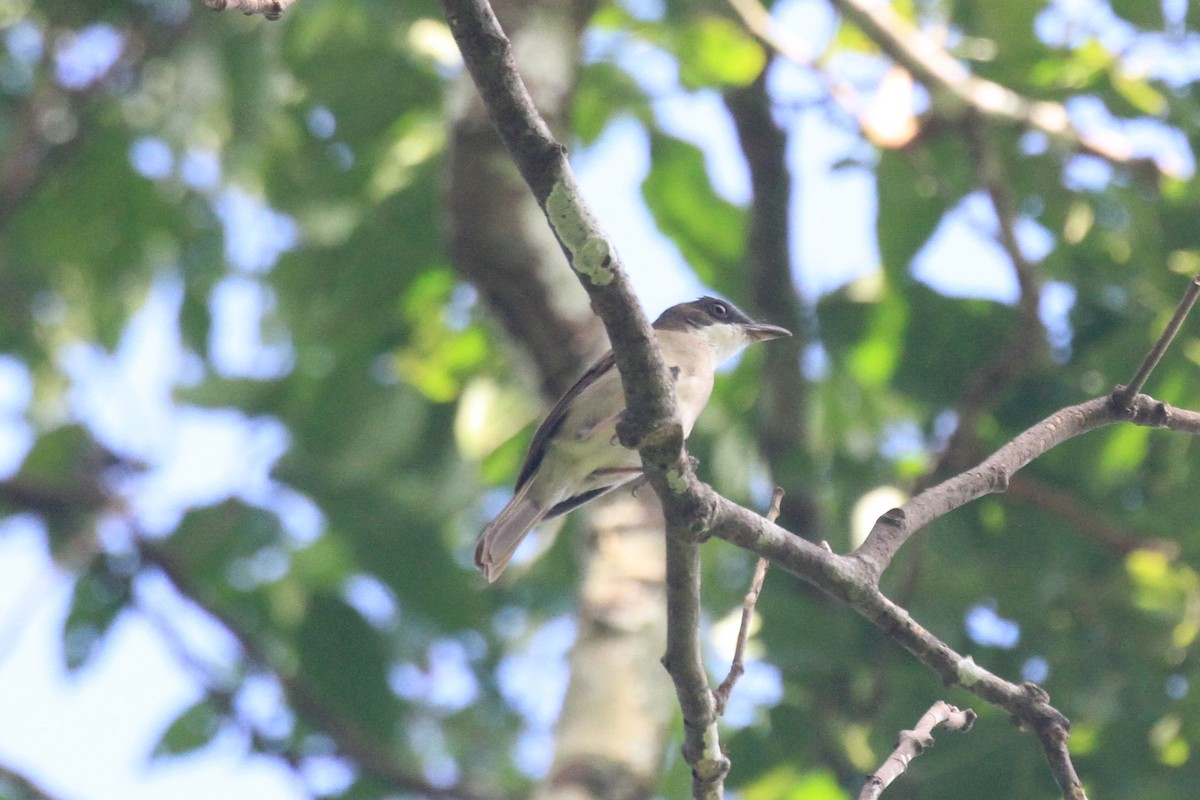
x=959 y=91
x=738 y=667
x=849 y=579
x=914 y=742
x=271 y=9
x=685 y=664
x=693 y=510
x=993 y=474
x=542 y=161
x=494 y=229
x=353 y=742
x=1125 y=394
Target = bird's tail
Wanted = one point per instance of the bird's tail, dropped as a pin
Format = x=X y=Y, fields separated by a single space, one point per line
x=500 y=538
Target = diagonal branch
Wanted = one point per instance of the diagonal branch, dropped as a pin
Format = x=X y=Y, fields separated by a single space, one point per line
x=271 y=9
x=542 y=162
x=894 y=528
x=738 y=667
x=1125 y=394
x=950 y=81
x=355 y=743
x=853 y=579
x=914 y=742
x=692 y=509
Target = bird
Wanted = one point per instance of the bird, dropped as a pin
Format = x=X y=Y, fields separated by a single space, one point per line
x=574 y=456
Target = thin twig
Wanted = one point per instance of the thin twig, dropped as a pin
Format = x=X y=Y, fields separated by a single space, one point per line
x=993 y=474
x=271 y=9
x=911 y=744
x=1125 y=394
x=737 y=666
x=853 y=579
x=948 y=79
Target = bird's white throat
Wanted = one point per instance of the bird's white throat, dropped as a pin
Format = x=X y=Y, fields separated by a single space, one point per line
x=725 y=340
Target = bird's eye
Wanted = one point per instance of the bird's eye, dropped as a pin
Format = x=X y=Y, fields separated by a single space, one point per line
x=720 y=310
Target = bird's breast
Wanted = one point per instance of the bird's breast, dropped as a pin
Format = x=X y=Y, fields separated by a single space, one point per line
x=691 y=395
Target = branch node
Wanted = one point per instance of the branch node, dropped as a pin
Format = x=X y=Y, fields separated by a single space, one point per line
x=912 y=743
x=1123 y=396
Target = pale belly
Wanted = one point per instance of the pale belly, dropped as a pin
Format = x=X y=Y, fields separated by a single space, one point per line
x=595 y=456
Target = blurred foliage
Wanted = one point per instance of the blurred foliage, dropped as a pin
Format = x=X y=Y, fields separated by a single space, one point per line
x=299 y=164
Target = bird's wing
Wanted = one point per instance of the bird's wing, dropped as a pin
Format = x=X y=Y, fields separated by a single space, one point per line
x=554 y=420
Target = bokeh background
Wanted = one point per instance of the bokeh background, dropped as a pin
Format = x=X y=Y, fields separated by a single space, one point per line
x=277 y=318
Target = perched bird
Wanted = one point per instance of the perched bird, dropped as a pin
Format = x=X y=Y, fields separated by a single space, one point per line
x=574 y=455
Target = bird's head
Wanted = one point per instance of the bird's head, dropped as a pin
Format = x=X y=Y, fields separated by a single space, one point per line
x=721 y=324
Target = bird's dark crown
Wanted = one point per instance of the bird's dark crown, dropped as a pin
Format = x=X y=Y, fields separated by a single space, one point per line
x=701 y=313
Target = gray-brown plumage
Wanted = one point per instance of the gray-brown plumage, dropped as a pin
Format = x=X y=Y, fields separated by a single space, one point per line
x=574 y=455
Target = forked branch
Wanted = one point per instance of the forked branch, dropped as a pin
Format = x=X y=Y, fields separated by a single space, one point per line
x=693 y=510
x=271 y=9
x=911 y=744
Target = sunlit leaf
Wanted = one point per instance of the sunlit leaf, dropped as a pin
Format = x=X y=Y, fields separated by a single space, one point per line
x=1124 y=452
x=786 y=783
x=714 y=51
x=1140 y=94
x=874 y=359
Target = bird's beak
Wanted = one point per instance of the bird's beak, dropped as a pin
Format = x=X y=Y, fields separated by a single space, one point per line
x=759 y=332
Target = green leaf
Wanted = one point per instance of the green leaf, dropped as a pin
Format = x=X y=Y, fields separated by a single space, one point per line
x=945 y=339
x=1123 y=453
x=1148 y=16
x=209 y=538
x=61 y=479
x=191 y=731
x=1140 y=94
x=873 y=361
x=714 y=51
x=98 y=598
x=910 y=207
x=709 y=231
x=787 y=783
x=605 y=91
x=345 y=660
